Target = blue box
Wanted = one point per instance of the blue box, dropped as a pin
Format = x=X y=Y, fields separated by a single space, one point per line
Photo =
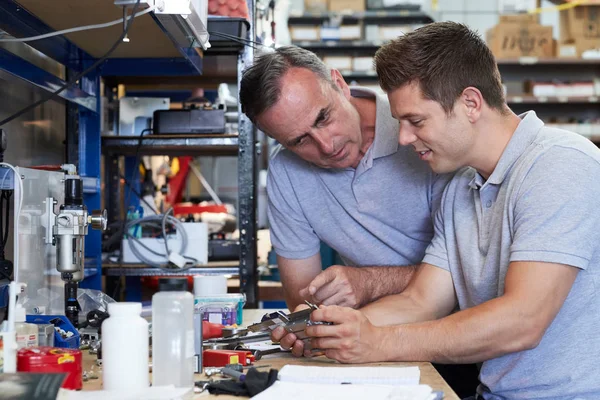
x=63 y=323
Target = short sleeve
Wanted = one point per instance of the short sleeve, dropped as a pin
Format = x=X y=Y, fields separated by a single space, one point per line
x=438 y=184
x=436 y=253
x=556 y=210
x=291 y=234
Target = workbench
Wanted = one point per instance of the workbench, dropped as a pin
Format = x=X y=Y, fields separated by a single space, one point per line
x=429 y=375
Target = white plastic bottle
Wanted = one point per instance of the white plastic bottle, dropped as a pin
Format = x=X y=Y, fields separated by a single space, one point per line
x=125 y=349
x=173 y=337
x=27 y=334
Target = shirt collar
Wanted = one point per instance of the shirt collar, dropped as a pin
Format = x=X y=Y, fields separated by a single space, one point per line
x=523 y=136
x=386 y=127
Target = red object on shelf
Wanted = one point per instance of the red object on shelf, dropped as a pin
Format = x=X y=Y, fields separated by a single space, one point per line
x=183 y=209
x=152 y=281
x=228 y=8
x=47 y=359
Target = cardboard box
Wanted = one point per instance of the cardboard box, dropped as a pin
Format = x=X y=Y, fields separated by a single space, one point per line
x=346 y=5
x=513 y=40
x=519 y=19
x=579 y=27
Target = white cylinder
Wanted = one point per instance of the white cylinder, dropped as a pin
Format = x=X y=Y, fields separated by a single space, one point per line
x=125 y=353
x=173 y=352
x=210 y=285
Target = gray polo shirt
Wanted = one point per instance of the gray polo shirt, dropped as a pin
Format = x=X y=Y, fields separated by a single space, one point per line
x=541 y=203
x=376 y=214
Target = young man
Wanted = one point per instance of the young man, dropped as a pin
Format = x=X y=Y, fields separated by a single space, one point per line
x=516 y=243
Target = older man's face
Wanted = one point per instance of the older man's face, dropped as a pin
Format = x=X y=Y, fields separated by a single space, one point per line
x=315 y=120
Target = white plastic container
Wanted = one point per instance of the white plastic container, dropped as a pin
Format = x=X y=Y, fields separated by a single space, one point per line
x=173 y=355
x=125 y=352
x=210 y=285
x=27 y=334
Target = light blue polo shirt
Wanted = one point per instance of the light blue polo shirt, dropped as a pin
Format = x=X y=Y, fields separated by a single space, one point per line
x=377 y=214
x=541 y=203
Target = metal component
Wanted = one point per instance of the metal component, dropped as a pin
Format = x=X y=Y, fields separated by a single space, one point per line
x=234 y=332
x=295 y=322
x=247 y=183
x=214 y=145
x=212 y=371
x=99 y=219
x=72 y=306
x=150 y=271
x=68 y=230
x=230 y=343
x=258 y=354
x=184 y=22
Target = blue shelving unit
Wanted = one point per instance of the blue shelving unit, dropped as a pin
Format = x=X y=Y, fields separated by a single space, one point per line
x=83 y=116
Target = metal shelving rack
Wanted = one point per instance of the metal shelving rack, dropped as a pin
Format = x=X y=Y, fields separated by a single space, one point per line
x=25 y=18
x=514 y=71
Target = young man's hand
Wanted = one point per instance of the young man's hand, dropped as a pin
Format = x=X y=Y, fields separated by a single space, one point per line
x=338 y=285
x=351 y=339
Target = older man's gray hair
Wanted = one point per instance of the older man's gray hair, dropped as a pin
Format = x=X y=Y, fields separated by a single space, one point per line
x=260 y=86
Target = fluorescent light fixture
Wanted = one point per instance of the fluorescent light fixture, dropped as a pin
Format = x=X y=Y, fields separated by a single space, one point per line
x=185 y=21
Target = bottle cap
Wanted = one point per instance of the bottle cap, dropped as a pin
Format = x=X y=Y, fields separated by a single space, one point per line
x=124 y=308
x=173 y=285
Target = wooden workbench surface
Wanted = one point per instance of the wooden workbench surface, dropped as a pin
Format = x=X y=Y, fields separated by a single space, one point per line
x=429 y=375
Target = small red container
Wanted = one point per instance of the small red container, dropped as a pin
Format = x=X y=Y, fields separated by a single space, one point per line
x=47 y=359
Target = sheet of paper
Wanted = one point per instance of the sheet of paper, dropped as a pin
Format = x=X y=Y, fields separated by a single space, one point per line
x=354 y=375
x=319 y=391
x=301 y=391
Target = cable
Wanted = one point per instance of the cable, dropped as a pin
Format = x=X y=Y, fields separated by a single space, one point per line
x=153 y=221
x=245 y=42
x=78 y=28
x=17 y=212
x=164 y=230
x=77 y=77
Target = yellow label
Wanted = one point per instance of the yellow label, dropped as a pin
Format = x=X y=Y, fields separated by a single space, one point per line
x=66 y=358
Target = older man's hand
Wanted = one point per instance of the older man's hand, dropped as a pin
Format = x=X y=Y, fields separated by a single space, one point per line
x=339 y=285
x=287 y=340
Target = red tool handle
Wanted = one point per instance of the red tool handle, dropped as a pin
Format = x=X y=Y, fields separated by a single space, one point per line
x=211 y=330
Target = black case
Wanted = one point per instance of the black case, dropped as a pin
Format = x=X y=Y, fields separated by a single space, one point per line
x=188 y=121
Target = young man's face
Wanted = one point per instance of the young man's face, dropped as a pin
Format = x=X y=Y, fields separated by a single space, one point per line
x=315 y=120
x=442 y=141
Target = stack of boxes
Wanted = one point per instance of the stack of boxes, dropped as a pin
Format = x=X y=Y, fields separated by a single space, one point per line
x=521 y=35
x=579 y=31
